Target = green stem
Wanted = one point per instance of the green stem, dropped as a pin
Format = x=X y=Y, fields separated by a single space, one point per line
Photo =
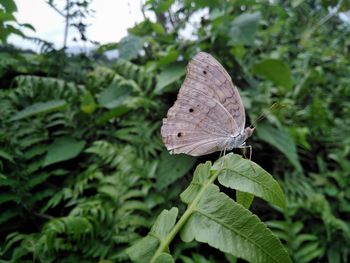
x=164 y=244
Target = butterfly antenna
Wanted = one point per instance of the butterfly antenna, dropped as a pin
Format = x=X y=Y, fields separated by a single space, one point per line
x=262 y=116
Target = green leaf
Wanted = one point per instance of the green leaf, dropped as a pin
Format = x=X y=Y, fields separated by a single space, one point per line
x=201 y=177
x=6 y=156
x=145 y=250
x=168 y=57
x=158 y=28
x=106 y=47
x=40 y=108
x=6 y=17
x=114 y=96
x=243 y=28
x=275 y=70
x=9 y=5
x=164 y=6
x=345 y=6
x=280 y=139
x=88 y=104
x=308 y=252
x=169 y=75
x=244 y=199
x=29 y=26
x=114 y=113
x=296 y=3
x=164 y=258
x=8 y=214
x=63 y=149
x=229 y=227
x=7 y=197
x=244 y=175
x=172 y=167
x=130 y=46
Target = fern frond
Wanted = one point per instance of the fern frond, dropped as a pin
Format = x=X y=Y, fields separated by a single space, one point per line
x=138 y=74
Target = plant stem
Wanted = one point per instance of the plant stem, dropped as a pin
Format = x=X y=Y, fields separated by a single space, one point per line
x=164 y=244
x=66 y=25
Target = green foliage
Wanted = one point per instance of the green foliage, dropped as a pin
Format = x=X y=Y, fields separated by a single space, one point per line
x=63 y=148
x=302 y=247
x=54 y=163
x=252 y=179
x=172 y=168
x=8 y=22
x=130 y=46
x=146 y=249
x=212 y=217
x=169 y=75
x=268 y=67
x=282 y=141
x=38 y=108
x=243 y=28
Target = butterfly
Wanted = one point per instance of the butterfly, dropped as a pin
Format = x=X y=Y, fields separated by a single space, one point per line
x=208 y=115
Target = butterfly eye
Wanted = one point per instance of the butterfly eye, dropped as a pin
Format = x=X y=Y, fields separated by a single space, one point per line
x=204 y=72
x=190 y=110
x=179 y=134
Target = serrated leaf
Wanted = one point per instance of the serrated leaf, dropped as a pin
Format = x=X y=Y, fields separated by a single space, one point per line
x=244 y=199
x=171 y=168
x=164 y=223
x=229 y=227
x=63 y=149
x=280 y=139
x=244 y=175
x=275 y=70
x=164 y=258
x=201 y=177
x=144 y=251
x=243 y=28
x=39 y=108
x=170 y=74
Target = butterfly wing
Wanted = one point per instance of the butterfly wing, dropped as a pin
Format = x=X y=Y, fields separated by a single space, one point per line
x=203 y=68
x=207 y=112
x=196 y=125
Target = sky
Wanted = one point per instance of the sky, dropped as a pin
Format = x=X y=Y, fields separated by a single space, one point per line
x=109 y=23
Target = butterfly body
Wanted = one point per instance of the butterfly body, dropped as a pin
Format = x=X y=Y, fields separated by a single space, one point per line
x=239 y=140
x=208 y=114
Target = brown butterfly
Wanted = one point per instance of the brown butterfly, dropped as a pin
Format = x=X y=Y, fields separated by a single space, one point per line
x=208 y=115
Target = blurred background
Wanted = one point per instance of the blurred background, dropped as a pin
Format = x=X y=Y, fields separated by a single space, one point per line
x=85 y=85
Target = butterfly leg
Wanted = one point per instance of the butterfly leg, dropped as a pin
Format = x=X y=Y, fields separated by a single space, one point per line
x=222 y=156
x=250 y=153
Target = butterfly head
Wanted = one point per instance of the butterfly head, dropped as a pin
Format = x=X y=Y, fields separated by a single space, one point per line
x=239 y=140
x=248 y=132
